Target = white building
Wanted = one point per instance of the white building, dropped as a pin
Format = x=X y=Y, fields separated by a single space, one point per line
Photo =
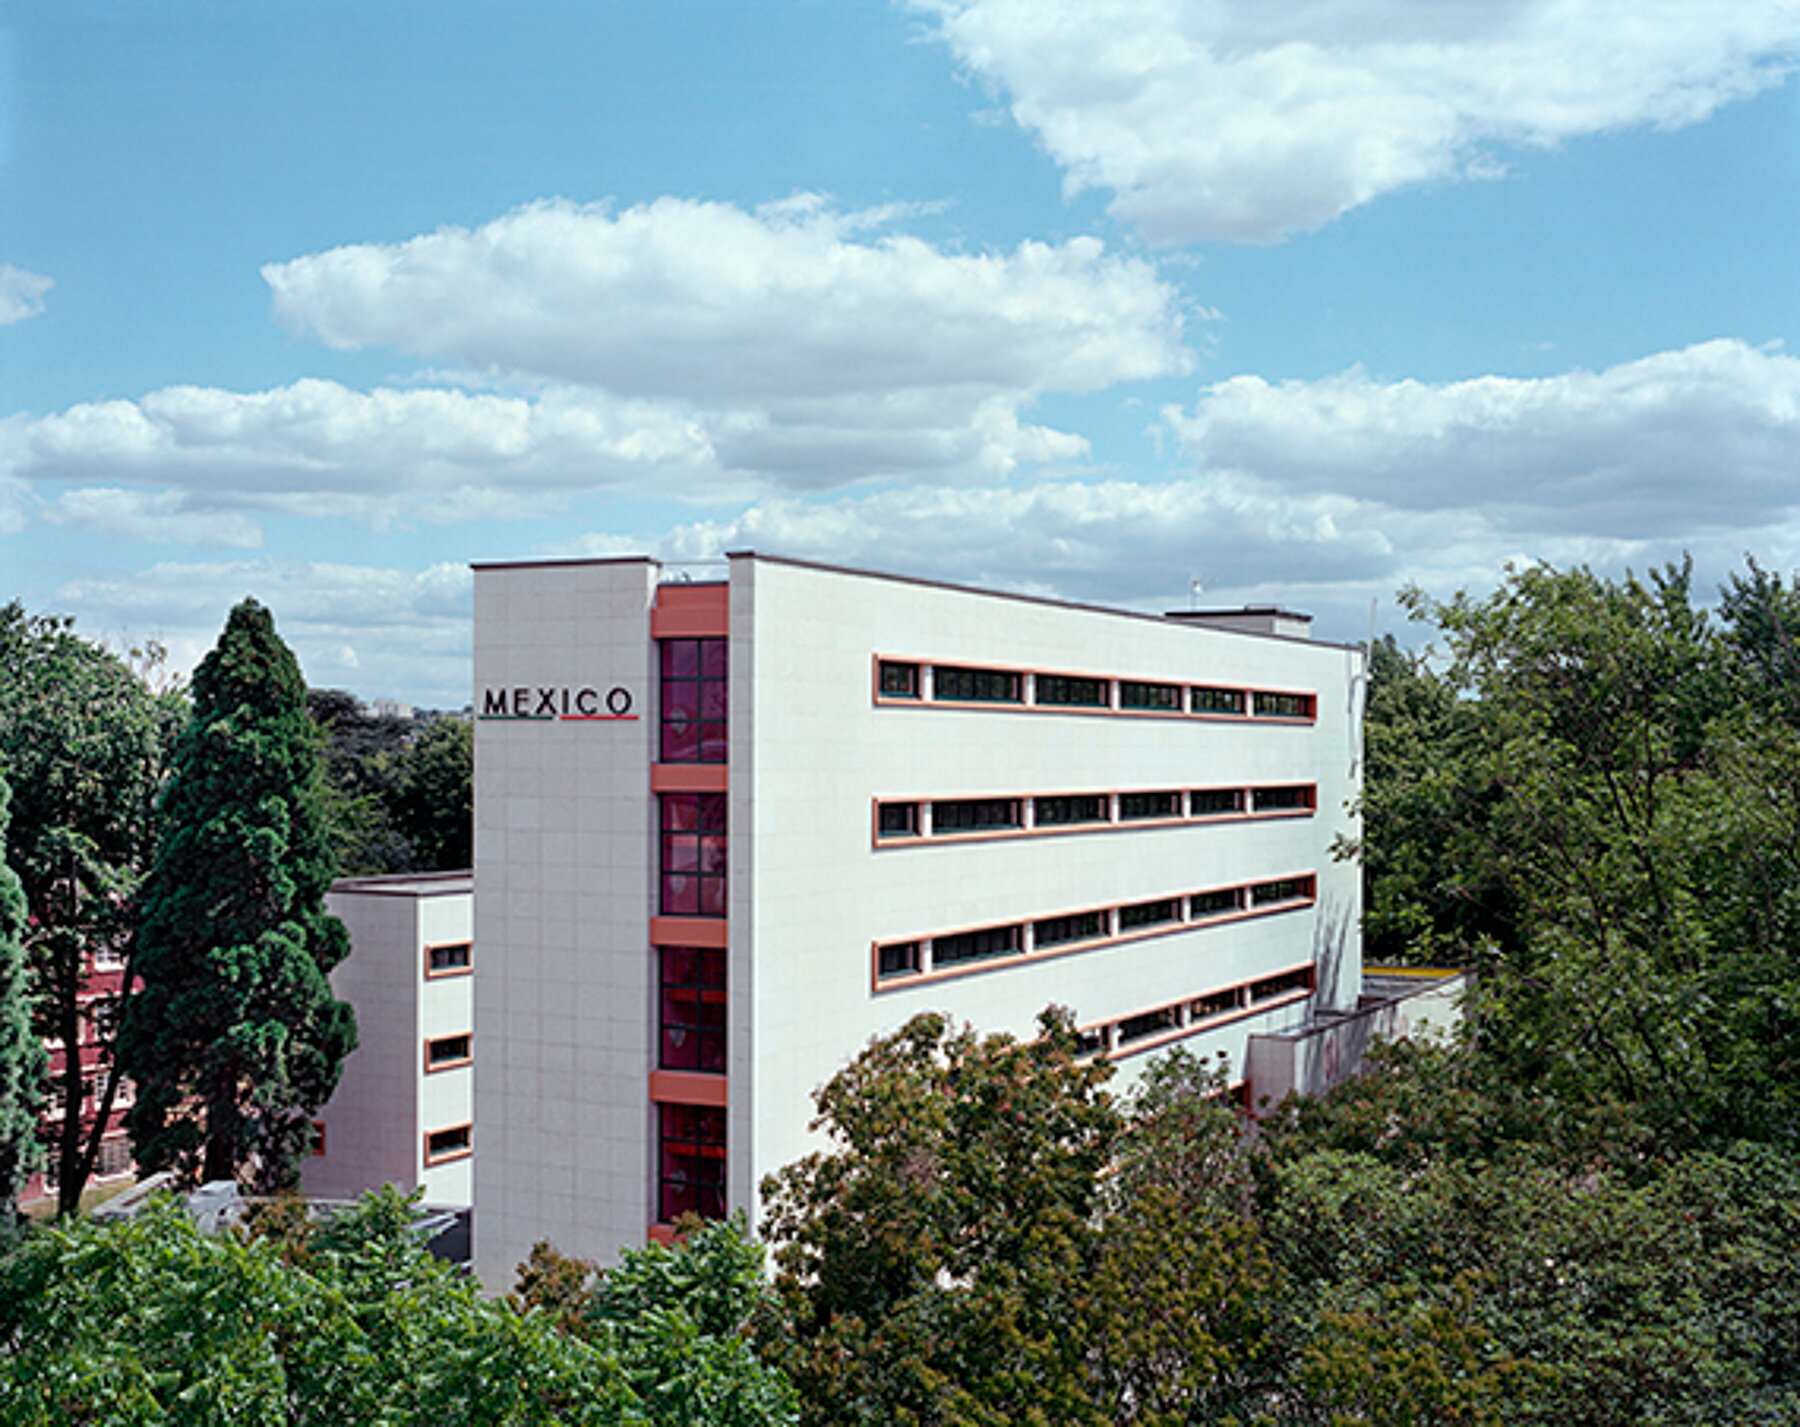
x=728 y=832
x=404 y=1110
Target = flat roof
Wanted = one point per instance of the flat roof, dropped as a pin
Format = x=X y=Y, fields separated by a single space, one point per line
x=410 y=884
x=1167 y=620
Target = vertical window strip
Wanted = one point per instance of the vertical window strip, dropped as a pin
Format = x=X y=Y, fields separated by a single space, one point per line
x=693 y=854
x=695 y=696
x=692 y=1014
x=692 y=1168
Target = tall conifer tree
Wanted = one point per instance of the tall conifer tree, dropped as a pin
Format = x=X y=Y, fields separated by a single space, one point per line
x=235 y=1039
x=21 y=1052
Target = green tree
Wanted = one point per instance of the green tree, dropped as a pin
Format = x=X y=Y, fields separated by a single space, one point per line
x=86 y=744
x=1431 y=892
x=400 y=791
x=434 y=806
x=1461 y=1278
x=1182 y=1306
x=362 y=769
x=150 y=1323
x=1614 y=792
x=21 y=1053
x=677 y=1318
x=932 y=1265
x=235 y=1038
x=1762 y=630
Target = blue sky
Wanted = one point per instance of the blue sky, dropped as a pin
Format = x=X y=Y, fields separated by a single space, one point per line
x=319 y=302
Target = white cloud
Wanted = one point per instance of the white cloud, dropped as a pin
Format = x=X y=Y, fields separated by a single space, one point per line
x=1246 y=120
x=1679 y=443
x=159 y=517
x=684 y=351
x=21 y=293
x=1331 y=493
x=320 y=449
x=382 y=632
x=1116 y=541
x=813 y=350
x=1322 y=496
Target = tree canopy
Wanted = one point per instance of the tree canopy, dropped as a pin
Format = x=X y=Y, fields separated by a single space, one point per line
x=1591 y=805
x=399 y=790
x=151 y=1322
x=234 y=1038
x=86 y=742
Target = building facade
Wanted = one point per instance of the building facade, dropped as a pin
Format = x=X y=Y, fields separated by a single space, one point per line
x=96 y=1006
x=728 y=832
x=403 y=1113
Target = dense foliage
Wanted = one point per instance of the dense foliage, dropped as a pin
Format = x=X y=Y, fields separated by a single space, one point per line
x=234 y=1037
x=85 y=741
x=399 y=790
x=1426 y=1245
x=932 y=1263
x=150 y=1322
x=1595 y=802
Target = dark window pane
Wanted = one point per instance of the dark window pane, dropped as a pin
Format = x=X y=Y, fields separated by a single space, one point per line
x=680 y=742
x=680 y=1049
x=1299 y=979
x=1136 y=695
x=1060 y=811
x=974 y=814
x=1219 y=1003
x=974 y=946
x=1212 y=904
x=680 y=896
x=1215 y=802
x=1283 y=705
x=991 y=686
x=1134 y=1028
x=1060 y=689
x=899 y=681
x=1149 y=914
x=898 y=820
x=1285 y=889
x=1057 y=931
x=712 y=854
x=897 y=959
x=1134 y=807
x=1228 y=701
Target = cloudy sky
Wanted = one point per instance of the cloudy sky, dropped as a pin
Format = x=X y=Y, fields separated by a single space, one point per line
x=320 y=301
